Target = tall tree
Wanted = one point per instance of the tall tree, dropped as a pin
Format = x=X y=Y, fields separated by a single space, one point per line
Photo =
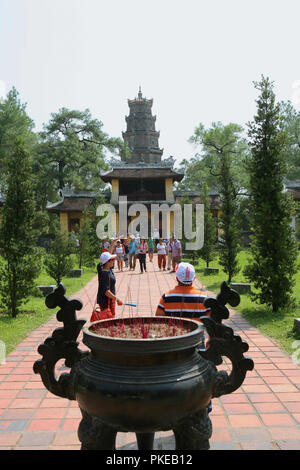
x=14 y=123
x=17 y=236
x=207 y=252
x=291 y=122
x=59 y=262
x=273 y=248
x=204 y=165
x=71 y=152
x=88 y=249
x=224 y=150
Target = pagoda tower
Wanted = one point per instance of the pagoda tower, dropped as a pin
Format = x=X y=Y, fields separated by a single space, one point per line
x=143 y=177
x=141 y=135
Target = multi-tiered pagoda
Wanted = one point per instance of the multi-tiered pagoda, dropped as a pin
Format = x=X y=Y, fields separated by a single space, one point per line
x=144 y=177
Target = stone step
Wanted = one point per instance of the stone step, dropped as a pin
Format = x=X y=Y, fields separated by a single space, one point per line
x=75 y=273
x=208 y=271
x=240 y=287
x=46 y=290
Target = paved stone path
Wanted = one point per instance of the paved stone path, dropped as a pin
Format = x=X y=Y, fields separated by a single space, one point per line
x=262 y=414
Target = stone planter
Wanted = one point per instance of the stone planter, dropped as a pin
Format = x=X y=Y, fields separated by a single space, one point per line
x=297 y=325
x=46 y=290
x=75 y=273
x=241 y=288
x=208 y=271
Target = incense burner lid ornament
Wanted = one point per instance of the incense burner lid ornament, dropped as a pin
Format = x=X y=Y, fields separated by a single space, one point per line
x=145 y=384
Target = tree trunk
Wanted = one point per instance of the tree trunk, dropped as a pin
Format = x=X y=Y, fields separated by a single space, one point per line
x=60 y=175
x=13 y=294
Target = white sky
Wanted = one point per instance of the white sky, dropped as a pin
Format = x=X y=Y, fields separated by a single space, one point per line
x=196 y=58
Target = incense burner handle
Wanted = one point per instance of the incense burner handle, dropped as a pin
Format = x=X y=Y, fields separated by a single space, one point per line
x=61 y=345
x=223 y=342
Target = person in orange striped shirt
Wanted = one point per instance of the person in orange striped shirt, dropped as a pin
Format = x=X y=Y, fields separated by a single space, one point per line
x=185 y=300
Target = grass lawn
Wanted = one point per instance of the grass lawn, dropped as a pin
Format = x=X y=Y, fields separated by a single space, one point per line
x=278 y=326
x=34 y=312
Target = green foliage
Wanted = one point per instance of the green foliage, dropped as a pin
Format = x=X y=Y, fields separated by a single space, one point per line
x=207 y=252
x=273 y=247
x=224 y=153
x=291 y=153
x=185 y=200
x=41 y=221
x=14 y=124
x=17 y=236
x=14 y=330
x=279 y=326
x=206 y=165
x=88 y=249
x=58 y=262
x=230 y=233
x=71 y=153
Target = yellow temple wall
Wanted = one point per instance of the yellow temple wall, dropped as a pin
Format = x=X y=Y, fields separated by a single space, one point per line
x=171 y=223
x=114 y=190
x=76 y=215
x=117 y=223
x=169 y=189
x=64 y=221
x=65 y=217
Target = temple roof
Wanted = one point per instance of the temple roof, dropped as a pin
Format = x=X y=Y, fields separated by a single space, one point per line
x=294 y=184
x=213 y=195
x=140 y=98
x=73 y=201
x=139 y=172
x=293 y=187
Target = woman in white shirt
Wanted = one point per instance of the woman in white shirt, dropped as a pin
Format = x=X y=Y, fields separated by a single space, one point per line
x=161 y=254
x=120 y=252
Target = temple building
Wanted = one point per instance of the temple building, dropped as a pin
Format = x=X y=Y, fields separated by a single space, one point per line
x=70 y=208
x=144 y=177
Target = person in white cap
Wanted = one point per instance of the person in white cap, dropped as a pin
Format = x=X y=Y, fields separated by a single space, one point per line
x=106 y=296
x=185 y=300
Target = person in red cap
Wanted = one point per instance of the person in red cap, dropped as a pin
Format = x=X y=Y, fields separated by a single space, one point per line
x=106 y=296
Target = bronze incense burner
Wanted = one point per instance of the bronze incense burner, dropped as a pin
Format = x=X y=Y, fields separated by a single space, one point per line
x=143 y=385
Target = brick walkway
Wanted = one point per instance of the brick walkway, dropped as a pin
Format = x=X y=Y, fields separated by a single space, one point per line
x=262 y=414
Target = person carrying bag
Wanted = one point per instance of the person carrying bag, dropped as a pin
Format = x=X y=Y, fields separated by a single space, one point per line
x=143 y=247
x=106 y=296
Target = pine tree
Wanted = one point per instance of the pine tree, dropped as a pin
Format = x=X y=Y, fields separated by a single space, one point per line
x=273 y=247
x=224 y=152
x=207 y=252
x=88 y=249
x=71 y=152
x=228 y=242
x=17 y=236
x=59 y=262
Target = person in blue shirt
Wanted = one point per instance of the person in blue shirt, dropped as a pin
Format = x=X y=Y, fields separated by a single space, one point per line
x=133 y=250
